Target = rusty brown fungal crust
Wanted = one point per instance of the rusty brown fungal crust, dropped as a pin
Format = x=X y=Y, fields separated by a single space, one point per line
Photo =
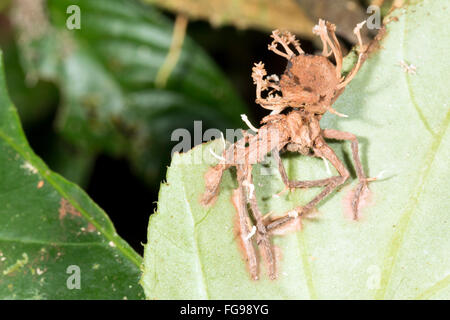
x=308 y=87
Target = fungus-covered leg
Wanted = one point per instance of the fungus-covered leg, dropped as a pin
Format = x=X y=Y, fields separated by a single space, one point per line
x=274 y=103
x=212 y=182
x=321 y=150
x=262 y=237
x=363 y=181
x=240 y=202
x=290 y=184
x=301 y=210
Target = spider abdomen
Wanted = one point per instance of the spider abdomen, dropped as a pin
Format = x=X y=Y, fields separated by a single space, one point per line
x=309 y=81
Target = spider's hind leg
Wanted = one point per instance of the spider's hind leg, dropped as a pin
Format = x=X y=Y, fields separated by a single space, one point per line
x=240 y=202
x=363 y=181
x=262 y=236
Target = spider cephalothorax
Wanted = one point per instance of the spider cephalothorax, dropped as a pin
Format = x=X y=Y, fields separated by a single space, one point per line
x=309 y=86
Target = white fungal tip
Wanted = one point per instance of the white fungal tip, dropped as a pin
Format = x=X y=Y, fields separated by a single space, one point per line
x=216 y=155
x=361 y=24
x=248 y=123
x=293 y=214
x=326 y=165
x=251 y=234
x=223 y=141
x=250 y=187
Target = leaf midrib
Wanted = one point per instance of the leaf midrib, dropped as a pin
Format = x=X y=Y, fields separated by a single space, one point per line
x=403 y=224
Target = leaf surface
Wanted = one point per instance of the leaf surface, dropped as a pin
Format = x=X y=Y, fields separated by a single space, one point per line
x=48 y=224
x=399 y=247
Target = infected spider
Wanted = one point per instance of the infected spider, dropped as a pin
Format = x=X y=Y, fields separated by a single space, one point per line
x=309 y=87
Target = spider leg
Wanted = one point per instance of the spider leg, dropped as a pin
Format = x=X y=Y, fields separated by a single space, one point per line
x=240 y=202
x=323 y=150
x=262 y=236
x=352 y=73
x=363 y=181
x=290 y=184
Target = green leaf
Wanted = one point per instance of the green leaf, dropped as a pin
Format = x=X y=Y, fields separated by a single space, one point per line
x=48 y=224
x=107 y=71
x=399 y=247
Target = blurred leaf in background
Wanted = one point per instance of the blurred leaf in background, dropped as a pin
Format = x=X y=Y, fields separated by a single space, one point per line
x=106 y=72
x=36 y=102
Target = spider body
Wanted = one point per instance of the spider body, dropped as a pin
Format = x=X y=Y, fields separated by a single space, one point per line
x=298 y=99
x=309 y=82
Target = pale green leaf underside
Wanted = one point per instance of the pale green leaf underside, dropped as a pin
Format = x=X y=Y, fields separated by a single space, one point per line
x=397 y=250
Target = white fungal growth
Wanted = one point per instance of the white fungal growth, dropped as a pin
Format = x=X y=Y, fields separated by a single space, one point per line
x=29 y=167
x=215 y=155
x=360 y=25
x=293 y=214
x=380 y=175
x=251 y=233
x=326 y=165
x=248 y=123
x=250 y=187
x=273 y=77
x=223 y=141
